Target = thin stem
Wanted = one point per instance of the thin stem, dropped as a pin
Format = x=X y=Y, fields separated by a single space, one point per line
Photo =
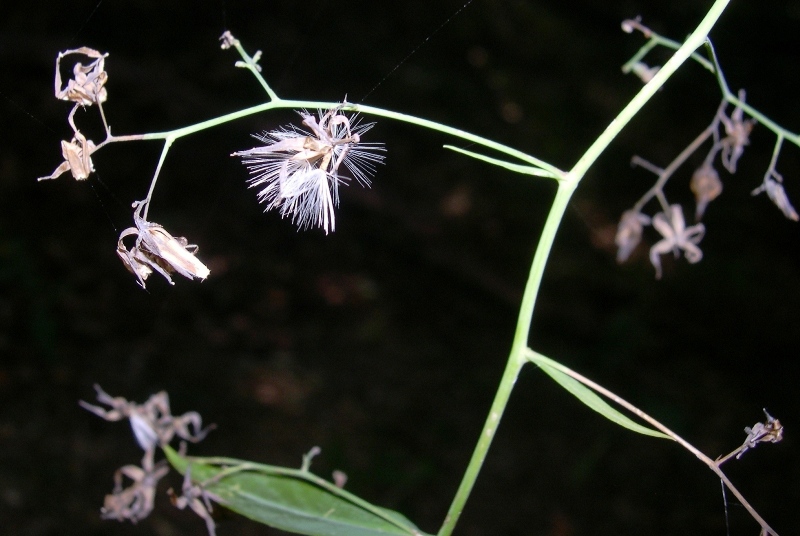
x=697 y=38
x=723 y=84
x=164 y=151
x=513 y=366
x=516 y=357
x=714 y=67
x=432 y=125
x=771 y=171
x=642 y=52
x=173 y=135
x=566 y=187
x=665 y=174
x=250 y=63
x=653 y=40
x=713 y=465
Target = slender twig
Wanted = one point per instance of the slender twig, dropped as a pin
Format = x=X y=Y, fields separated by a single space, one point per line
x=665 y=174
x=566 y=187
x=712 y=464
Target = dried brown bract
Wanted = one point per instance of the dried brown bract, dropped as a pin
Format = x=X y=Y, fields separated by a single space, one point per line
x=156 y=249
x=77 y=158
x=153 y=425
x=87 y=86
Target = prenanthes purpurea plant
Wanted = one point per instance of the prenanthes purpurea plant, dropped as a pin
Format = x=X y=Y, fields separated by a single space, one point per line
x=298 y=171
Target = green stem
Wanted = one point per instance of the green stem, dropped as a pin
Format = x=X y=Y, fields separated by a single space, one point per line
x=695 y=40
x=370 y=110
x=565 y=189
x=251 y=64
x=172 y=135
x=516 y=358
x=162 y=158
x=727 y=94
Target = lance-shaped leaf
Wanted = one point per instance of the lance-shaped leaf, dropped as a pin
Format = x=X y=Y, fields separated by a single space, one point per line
x=294 y=500
x=587 y=396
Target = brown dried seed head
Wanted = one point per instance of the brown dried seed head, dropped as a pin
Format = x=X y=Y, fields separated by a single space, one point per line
x=77 y=158
x=157 y=250
x=706 y=186
x=87 y=86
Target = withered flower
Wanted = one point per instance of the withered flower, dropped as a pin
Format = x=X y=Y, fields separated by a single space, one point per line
x=738 y=135
x=156 y=249
x=77 y=158
x=777 y=194
x=769 y=431
x=191 y=496
x=135 y=502
x=152 y=422
x=629 y=233
x=153 y=425
x=88 y=85
x=677 y=237
x=706 y=186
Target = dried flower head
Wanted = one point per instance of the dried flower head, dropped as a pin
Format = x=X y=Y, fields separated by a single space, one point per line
x=77 y=158
x=152 y=422
x=299 y=170
x=629 y=233
x=156 y=249
x=776 y=192
x=769 y=431
x=738 y=135
x=87 y=86
x=677 y=237
x=706 y=186
x=191 y=496
x=135 y=502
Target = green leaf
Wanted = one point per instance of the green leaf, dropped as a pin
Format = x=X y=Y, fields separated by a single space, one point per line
x=293 y=500
x=518 y=168
x=587 y=396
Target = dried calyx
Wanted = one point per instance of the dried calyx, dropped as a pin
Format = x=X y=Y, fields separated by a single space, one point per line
x=157 y=250
x=85 y=88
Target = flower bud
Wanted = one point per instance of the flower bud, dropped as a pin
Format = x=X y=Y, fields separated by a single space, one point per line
x=629 y=233
x=706 y=186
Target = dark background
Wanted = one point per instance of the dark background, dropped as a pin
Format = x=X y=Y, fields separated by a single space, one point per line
x=383 y=343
